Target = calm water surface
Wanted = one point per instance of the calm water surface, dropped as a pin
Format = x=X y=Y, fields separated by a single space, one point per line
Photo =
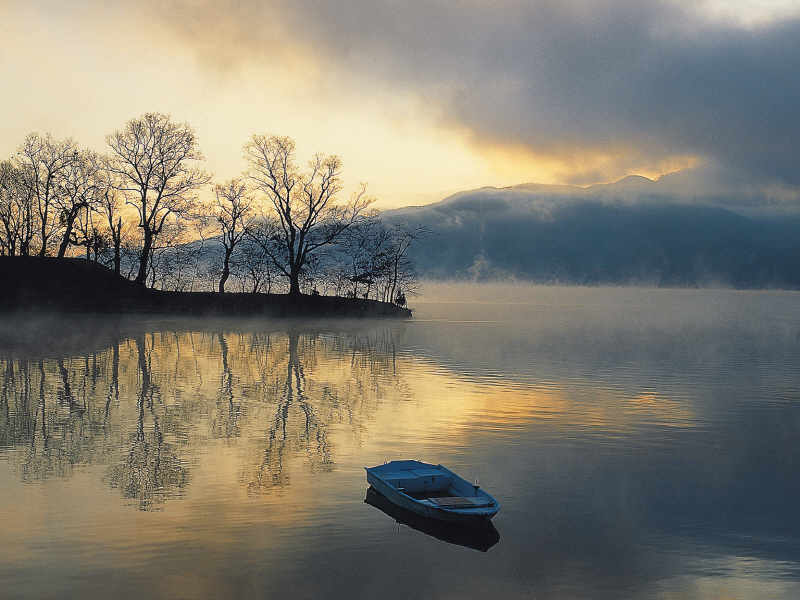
x=642 y=443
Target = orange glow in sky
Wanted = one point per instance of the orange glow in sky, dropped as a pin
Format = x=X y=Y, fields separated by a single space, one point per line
x=404 y=94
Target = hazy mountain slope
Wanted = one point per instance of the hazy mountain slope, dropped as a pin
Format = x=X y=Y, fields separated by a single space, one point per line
x=628 y=232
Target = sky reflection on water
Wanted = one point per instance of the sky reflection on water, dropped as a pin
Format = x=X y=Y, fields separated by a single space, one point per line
x=640 y=443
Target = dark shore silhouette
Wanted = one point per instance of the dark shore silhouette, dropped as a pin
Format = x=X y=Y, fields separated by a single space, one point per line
x=80 y=285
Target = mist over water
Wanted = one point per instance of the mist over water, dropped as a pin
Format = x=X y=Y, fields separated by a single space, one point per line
x=642 y=443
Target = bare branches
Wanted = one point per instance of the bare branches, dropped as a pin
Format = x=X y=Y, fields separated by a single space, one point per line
x=374 y=259
x=136 y=209
x=46 y=162
x=82 y=188
x=16 y=210
x=152 y=165
x=304 y=204
x=234 y=216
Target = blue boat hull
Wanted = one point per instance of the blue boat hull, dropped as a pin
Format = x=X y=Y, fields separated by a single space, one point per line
x=432 y=491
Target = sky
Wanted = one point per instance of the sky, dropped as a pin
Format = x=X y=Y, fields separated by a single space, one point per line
x=425 y=98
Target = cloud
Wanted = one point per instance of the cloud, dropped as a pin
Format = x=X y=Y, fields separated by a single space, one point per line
x=650 y=81
x=555 y=91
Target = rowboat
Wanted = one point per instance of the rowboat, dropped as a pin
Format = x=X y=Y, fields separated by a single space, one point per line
x=432 y=491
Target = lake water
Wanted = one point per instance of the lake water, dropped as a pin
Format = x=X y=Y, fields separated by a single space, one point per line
x=642 y=443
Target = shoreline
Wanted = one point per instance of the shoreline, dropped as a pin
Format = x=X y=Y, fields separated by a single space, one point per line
x=79 y=285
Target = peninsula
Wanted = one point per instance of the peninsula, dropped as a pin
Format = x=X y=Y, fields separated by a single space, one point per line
x=81 y=285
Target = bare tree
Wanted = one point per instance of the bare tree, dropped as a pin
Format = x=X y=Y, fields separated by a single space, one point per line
x=303 y=204
x=16 y=211
x=254 y=261
x=233 y=215
x=86 y=234
x=111 y=209
x=46 y=161
x=174 y=258
x=82 y=187
x=402 y=274
x=365 y=254
x=152 y=164
x=8 y=212
x=373 y=258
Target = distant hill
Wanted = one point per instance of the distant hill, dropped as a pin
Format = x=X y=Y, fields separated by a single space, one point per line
x=630 y=232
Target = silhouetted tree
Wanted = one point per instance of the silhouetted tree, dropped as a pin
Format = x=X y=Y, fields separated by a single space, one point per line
x=303 y=204
x=111 y=209
x=88 y=235
x=232 y=215
x=374 y=259
x=402 y=276
x=16 y=211
x=365 y=247
x=151 y=163
x=82 y=189
x=294 y=232
x=174 y=258
x=47 y=162
x=253 y=260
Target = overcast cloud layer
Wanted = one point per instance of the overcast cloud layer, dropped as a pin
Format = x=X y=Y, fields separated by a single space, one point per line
x=568 y=91
x=644 y=81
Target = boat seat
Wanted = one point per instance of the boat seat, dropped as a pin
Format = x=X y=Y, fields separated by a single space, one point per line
x=461 y=502
x=431 y=483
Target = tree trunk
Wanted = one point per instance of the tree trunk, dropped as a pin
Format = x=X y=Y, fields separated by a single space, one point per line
x=117 y=236
x=294 y=284
x=393 y=287
x=226 y=270
x=62 y=249
x=144 y=258
x=44 y=236
x=43 y=233
x=295 y=266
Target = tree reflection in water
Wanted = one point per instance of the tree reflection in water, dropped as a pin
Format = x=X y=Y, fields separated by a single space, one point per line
x=113 y=386
x=143 y=400
x=310 y=434
x=56 y=430
x=228 y=427
x=151 y=472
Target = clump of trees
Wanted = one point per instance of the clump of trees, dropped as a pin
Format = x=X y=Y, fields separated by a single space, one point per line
x=142 y=209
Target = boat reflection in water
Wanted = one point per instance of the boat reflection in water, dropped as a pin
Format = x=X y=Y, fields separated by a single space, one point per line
x=478 y=537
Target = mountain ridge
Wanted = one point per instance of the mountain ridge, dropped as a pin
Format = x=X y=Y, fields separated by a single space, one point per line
x=634 y=231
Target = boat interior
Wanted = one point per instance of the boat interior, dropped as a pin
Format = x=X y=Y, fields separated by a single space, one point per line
x=429 y=484
x=437 y=485
x=419 y=481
